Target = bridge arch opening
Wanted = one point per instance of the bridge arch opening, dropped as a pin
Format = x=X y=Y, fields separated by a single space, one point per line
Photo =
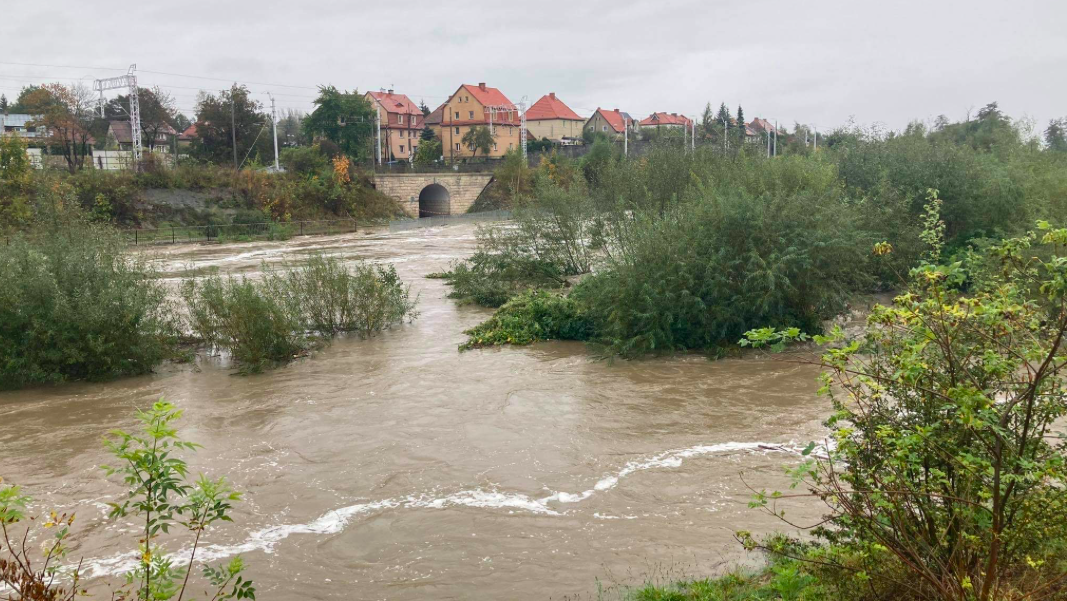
x=434 y=201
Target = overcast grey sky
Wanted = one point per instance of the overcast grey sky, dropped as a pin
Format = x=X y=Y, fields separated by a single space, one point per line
x=813 y=61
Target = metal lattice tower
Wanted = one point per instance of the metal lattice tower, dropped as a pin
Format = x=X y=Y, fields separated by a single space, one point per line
x=128 y=81
x=522 y=128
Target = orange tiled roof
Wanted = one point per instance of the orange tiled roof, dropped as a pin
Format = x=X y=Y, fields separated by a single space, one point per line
x=615 y=118
x=666 y=119
x=550 y=107
x=487 y=97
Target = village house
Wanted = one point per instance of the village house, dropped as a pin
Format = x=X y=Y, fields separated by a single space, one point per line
x=21 y=125
x=613 y=122
x=666 y=120
x=401 y=122
x=120 y=135
x=476 y=106
x=550 y=118
x=757 y=130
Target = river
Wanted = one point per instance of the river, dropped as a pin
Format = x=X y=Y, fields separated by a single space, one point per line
x=400 y=468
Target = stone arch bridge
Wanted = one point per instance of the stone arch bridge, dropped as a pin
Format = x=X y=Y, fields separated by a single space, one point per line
x=433 y=194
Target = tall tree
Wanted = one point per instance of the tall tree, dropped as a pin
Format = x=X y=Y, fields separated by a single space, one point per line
x=1056 y=135
x=291 y=129
x=425 y=109
x=707 y=121
x=157 y=109
x=219 y=117
x=64 y=113
x=181 y=122
x=740 y=124
x=3 y=104
x=479 y=138
x=344 y=118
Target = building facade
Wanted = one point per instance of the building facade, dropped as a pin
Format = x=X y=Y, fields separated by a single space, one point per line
x=613 y=123
x=401 y=124
x=550 y=118
x=476 y=106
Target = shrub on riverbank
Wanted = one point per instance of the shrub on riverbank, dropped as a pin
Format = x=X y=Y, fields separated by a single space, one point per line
x=75 y=306
x=269 y=321
x=210 y=192
x=944 y=479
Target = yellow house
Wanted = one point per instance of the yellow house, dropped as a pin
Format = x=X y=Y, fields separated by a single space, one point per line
x=401 y=123
x=475 y=106
x=550 y=118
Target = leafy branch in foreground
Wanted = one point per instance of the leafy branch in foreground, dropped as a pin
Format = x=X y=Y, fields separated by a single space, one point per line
x=159 y=493
x=944 y=478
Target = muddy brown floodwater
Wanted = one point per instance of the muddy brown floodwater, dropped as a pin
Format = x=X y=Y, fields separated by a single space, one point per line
x=399 y=468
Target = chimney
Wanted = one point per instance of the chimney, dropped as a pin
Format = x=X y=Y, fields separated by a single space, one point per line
x=390 y=91
x=482 y=86
x=552 y=95
x=616 y=110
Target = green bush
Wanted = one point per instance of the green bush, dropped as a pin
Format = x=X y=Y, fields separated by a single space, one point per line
x=266 y=322
x=530 y=317
x=75 y=306
x=943 y=479
x=243 y=317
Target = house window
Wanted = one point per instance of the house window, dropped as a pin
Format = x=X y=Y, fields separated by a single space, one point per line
x=457 y=114
x=400 y=119
x=401 y=148
x=470 y=147
x=457 y=131
x=471 y=113
x=494 y=146
x=457 y=145
x=603 y=128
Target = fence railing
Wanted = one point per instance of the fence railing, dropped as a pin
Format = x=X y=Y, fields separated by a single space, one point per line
x=237 y=232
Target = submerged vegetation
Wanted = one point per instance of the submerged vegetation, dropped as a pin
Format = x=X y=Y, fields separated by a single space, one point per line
x=268 y=321
x=687 y=250
x=75 y=306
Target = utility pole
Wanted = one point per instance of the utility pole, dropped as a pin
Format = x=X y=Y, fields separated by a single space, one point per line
x=776 y=138
x=725 y=136
x=816 y=138
x=693 y=138
x=274 y=123
x=768 y=132
x=625 y=137
x=233 y=126
x=378 y=125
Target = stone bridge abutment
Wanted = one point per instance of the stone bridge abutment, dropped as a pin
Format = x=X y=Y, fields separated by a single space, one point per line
x=432 y=194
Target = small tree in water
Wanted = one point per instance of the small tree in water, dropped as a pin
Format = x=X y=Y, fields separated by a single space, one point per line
x=943 y=478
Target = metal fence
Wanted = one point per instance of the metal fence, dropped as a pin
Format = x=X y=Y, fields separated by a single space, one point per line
x=238 y=232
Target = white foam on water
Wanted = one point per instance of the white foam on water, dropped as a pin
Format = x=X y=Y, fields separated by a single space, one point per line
x=335 y=520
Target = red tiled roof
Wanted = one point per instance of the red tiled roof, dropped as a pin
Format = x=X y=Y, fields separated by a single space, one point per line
x=396 y=103
x=550 y=107
x=189 y=133
x=487 y=97
x=666 y=119
x=762 y=125
x=614 y=118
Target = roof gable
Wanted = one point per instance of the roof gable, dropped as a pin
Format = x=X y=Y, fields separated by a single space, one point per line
x=396 y=103
x=550 y=107
x=615 y=118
